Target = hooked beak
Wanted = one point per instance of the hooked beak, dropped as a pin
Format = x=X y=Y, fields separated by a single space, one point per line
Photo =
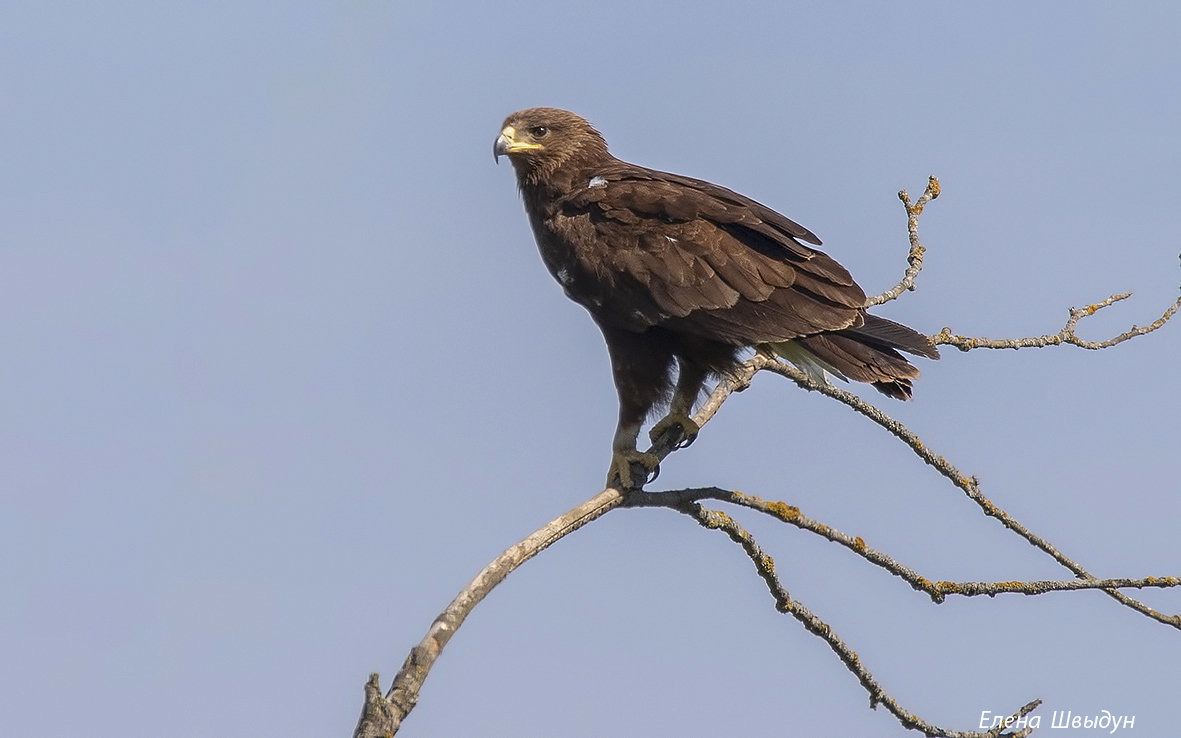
x=507 y=144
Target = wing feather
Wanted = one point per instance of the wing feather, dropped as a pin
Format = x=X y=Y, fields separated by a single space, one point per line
x=717 y=263
x=740 y=271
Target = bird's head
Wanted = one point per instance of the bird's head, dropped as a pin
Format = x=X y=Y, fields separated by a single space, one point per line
x=541 y=141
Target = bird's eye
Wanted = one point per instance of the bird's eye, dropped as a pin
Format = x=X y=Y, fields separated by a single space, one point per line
x=539 y=131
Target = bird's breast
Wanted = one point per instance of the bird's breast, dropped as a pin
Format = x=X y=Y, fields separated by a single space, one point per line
x=576 y=259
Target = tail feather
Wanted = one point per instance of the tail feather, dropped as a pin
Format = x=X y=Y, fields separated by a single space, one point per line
x=867 y=353
x=888 y=334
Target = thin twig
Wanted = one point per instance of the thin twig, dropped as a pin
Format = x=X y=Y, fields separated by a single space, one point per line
x=914 y=260
x=992 y=589
x=1066 y=335
x=969 y=485
x=785 y=603
x=938 y=591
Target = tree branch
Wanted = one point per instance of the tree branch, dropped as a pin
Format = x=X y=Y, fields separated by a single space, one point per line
x=914 y=260
x=1066 y=335
x=938 y=591
x=684 y=501
x=382 y=715
x=969 y=485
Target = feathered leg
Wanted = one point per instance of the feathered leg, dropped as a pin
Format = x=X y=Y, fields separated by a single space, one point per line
x=641 y=364
x=690 y=379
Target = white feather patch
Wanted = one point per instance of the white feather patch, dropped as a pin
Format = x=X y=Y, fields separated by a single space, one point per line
x=597 y=182
x=806 y=361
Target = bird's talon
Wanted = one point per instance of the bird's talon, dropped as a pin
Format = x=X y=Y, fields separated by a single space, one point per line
x=686 y=430
x=622 y=463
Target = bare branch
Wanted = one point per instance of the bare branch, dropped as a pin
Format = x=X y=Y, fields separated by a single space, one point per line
x=992 y=589
x=969 y=485
x=938 y=591
x=914 y=260
x=765 y=566
x=381 y=716
x=1066 y=335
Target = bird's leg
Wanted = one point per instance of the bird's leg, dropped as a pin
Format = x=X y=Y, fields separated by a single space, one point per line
x=689 y=382
x=641 y=364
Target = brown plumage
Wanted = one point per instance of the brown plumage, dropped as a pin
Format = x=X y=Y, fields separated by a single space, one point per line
x=677 y=270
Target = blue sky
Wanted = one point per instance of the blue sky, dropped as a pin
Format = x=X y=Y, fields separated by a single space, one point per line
x=282 y=369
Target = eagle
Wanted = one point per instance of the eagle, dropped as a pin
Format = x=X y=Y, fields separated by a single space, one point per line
x=681 y=273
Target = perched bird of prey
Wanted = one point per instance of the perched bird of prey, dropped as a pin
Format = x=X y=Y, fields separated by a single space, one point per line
x=679 y=271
